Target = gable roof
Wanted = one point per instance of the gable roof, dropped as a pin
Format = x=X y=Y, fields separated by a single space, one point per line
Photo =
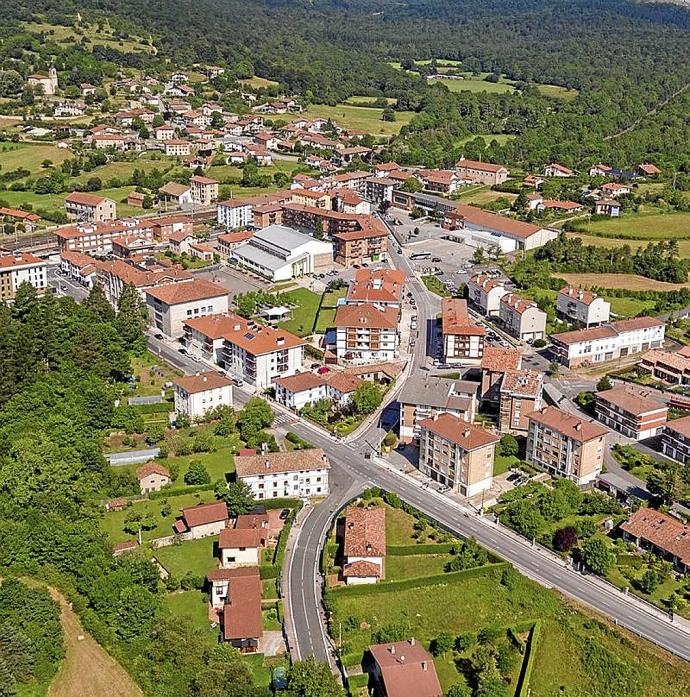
x=455 y=319
x=366 y=316
x=205 y=513
x=574 y=427
x=201 y=382
x=272 y=463
x=233 y=538
x=178 y=293
x=365 y=532
x=152 y=468
x=407 y=670
x=242 y=618
x=456 y=430
x=662 y=530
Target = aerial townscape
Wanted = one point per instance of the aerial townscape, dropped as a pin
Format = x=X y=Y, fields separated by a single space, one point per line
x=345 y=348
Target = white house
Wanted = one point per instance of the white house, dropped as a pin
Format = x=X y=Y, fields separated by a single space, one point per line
x=241 y=546
x=366 y=332
x=197 y=394
x=299 y=473
x=202 y=520
x=297 y=391
x=522 y=318
x=364 y=545
x=485 y=293
x=280 y=253
x=582 y=306
x=556 y=170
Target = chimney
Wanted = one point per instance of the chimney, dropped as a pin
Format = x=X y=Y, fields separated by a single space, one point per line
x=466 y=433
x=392 y=649
x=205 y=378
x=280 y=340
x=402 y=659
x=412 y=641
x=578 y=426
x=267 y=464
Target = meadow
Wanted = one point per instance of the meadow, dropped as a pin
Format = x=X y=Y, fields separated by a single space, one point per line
x=362 y=118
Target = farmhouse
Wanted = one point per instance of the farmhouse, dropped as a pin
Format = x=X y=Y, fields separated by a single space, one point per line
x=152 y=477
x=202 y=520
x=364 y=544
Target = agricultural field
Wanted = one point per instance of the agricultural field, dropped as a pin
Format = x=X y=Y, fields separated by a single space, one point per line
x=472 y=84
x=558 y=92
x=363 y=100
x=619 y=280
x=30 y=156
x=258 y=82
x=124 y=170
x=363 y=118
x=484 y=195
x=648 y=224
x=683 y=245
x=500 y=138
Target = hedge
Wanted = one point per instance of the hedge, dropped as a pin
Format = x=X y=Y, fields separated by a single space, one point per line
x=526 y=672
x=272 y=504
x=421 y=582
x=179 y=490
x=268 y=571
x=412 y=550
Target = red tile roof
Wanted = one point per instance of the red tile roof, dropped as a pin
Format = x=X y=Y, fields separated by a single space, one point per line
x=407 y=670
x=211 y=380
x=574 y=427
x=84 y=199
x=270 y=463
x=492 y=221
x=242 y=618
x=178 y=293
x=232 y=538
x=455 y=319
x=377 y=285
x=499 y=359
x=456 y=430
x=635 y=402
x=365 y=532
x=152 y=468
x=662 y=530
x=205 y=513
x=482 y=166
x=362 y=569
x=366 y=316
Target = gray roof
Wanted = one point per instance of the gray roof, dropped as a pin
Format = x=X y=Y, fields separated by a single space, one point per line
x=283 y=237
x=437 y=392
x=259 y=257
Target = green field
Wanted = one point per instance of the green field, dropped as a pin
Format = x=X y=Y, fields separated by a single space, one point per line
x=30 y=156
x=558 y=92
x=363 y=100
x=500 y=138
x=124 y=170
x=483 y=195
x=258 y=82
x=327 y=310
x=471 y=84
x=192 y=555
x=362 y=118
x=303 y=316
x=647 y=225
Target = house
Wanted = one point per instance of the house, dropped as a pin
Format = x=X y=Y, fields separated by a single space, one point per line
x=296 y=391
x=457 y=454
x=479 y=228
x=180 y=242
x=485 y=293
x=671 y=367
x=202 y=520
x=78 y=267
x=496 y=361
x=556 y=170
x=181 y=194
x=661 y=534
x=177 y=148
x=522 y=318
x=89 y=208
x=87 y=88
x=481 y=172
x=364 y=544
x=424 y=396
x=520 y=394
x=403 y=669
x=165 y=227
x=21 y=267
x=170 y=305
x=646 y=169
x=20 y=218
x=607 y=206
x=613 y=189
x=298 y=473
x=195 y=395
x=675 y=440
x=463 y=341
x=348 y=201
x=632 y=412
x=533 y=181
x=551 y=204
x=366 y=332
x=201 y=250
x=108 y=140
x=307 y=197
x=382 y=287
x=565 y=445
x=583 y=307
x=600 y=170
x=152 y=477
x=445 y=181
x=608 y=342
x=132 y=245
x=281 y=253
x=136 y=199
x=241 y=546
x=69 y=109
x=97 y=238
x=204 y=190
x=165 y=132
x=253 y=352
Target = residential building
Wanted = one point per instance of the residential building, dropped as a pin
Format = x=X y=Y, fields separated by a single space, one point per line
x=496 y=361
x=241 y=546
x=671 y=367
x=380 y=189
x=231 y=240
x=197 y=394
x=165 y=132
x=608 y=342
x=482 y=172
x=171 y=304
x=102 y=141
x=444 y=181
x=520 y=394
x=457 y=454
x=280 y=253
x=556 y=170
x=382 y=287
x=294 y=474
x=202 y=520
x=614 y=189
x=647 y=169
x=89 y=208
x=583 y=307
x=132 y=246
x=463 y=341
x=660 y=533
x=308 y=197
x=25 y=220
x=366 y=332
x=402 y=669
x=180 y=194
x=296 y=391
x=522 y=318
x=164 y=227
x=364 y=544
x=424 y=397
x=675 y=440
x=253 y=352
x=366 y=245
x=239 y=212
x=608 y=207
x=177 y=148
x=19 y=268
x=79 y=267
x=201 y=250
x=152 y=477
x=479 y=228
x=204 y=190
x=485 y=293
x=600 y=170
x=48 y=83
x=565 y=445
x=631 y=411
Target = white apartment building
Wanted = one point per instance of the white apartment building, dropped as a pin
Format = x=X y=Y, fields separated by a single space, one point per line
x=16 y=269
x=485 y=293
x=297 y=391
x=522 y=318
x=172 y=304
x=366 y=333
x=582 y=306
x=235 y=213
x=197 y=394
x=253 y=352
x=608 y=342
x=462 y=341
x=299 y=473
x=675 y=440
x=97 y=238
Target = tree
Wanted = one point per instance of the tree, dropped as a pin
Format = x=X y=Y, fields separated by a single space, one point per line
x=649 y=582
x=8 y=684
x=554 y=369
x=442 y=644
x=668 y=481
x=464 y=641
x=388 y=114
x=155 y=434
x=459 y=689
x=136 y=521
x=367 y=398
x=508 y=445
x=412 y=185
x=390 y=439
x=136 y=612
x=11 y=83
x=524 y=517
x=196 y=474
x=564 y=539
x=238 y=497
x=597 y=554
x=99 y=305
x=311 y=679
x=132 y=317
x=604 y=384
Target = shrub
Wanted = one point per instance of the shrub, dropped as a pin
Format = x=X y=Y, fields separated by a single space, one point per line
x=565 y=538
x=196 y=474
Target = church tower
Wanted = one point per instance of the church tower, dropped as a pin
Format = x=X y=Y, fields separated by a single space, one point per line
x=53 y=77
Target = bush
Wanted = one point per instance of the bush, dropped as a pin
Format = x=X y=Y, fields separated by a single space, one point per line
x=196 y=474
x=508 y=445
x=565 y=539
x=393 y=500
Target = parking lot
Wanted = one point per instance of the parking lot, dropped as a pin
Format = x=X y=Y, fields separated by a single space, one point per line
x=235 y=281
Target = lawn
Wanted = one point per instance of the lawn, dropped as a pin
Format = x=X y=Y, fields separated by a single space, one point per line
x=62 y=34
x=193 y=605
x=192 y=555
x=124 y=170
x=619 y=280
x=485 y=195
x=435 y=286
x=503 y=463
x=415 y=566
x=304 y=315
x=363 y=100
x=30 y=156
x=629 y=307
x=363 y=118
x=151 y=374
x=569 y=639
x=327 y=310
x=646 y=225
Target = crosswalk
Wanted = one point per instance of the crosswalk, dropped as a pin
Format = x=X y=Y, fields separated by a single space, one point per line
x=284 y=420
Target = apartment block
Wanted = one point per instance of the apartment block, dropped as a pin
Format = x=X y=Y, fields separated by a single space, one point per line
x=197 y=394
x=89 y=208
x=482 y=172
x=366 y=332
x=565 y=445
x=522 y=318
x=204 y=190
x=485 y=294
x=675 y=440
x=520 y=395
x=496 y=361
x=632 y=412
x=463 y=341
x=582 y=306
x=16 y=269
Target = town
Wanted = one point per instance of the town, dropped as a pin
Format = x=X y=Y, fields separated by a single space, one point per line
x=333 y=420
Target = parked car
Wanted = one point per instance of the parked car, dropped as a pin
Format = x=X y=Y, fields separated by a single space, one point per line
x=159 y=336
x=238 y=382
x=284 y=513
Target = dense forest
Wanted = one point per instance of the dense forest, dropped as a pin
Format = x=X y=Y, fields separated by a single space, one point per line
x=626 y=60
